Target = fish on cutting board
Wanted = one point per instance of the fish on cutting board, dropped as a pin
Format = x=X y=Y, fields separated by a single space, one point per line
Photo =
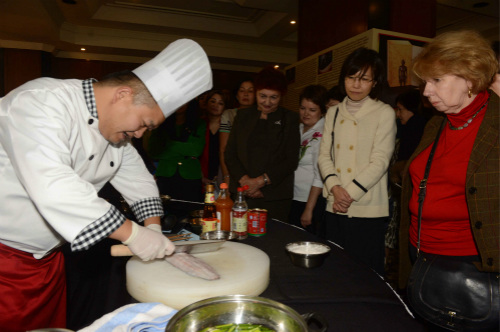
x=182 y=259
x=193 y=266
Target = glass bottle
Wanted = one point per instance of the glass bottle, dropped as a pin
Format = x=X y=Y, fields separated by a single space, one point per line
x=240 y=221
x=224 y=205
x=209 y=210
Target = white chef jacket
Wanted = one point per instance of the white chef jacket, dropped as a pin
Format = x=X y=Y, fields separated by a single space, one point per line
x=307 y=173
x=53 y=161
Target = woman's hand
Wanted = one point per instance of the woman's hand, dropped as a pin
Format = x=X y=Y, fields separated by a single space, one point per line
x=306 y=218
x=253 y=184
x=339 y=208
x=341 y=198
x=256 y=194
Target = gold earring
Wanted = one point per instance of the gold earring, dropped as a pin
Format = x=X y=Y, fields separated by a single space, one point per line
x=470 y=94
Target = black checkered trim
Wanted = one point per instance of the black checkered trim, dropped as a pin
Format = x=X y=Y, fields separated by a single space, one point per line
x=98 y=230
x=88 y=93
x=147 y=208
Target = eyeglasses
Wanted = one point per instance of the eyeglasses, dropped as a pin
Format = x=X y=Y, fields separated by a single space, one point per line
x=362 y=80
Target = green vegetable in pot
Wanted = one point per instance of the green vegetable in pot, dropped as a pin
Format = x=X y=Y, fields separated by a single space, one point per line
x=237 y=328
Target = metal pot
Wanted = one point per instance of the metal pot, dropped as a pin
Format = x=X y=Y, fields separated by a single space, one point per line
x=241 y=309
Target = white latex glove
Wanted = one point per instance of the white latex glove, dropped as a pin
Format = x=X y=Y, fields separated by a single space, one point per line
x=148 y=244
x=154 y=227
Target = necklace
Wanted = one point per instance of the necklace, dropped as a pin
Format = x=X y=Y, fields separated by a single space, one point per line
x=466 y=124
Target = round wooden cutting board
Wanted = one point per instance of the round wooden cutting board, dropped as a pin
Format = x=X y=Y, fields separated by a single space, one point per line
x=243 y=270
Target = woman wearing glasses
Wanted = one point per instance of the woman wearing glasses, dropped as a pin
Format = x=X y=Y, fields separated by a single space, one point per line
x=355 y=151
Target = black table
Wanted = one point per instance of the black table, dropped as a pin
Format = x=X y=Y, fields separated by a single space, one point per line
x=349 y=295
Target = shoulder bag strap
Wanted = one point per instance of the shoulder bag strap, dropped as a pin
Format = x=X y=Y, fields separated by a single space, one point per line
x=423 y=183
x=333 y=133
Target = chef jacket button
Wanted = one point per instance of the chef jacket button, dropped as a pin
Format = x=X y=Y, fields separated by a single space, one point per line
x=472 y=190
x=179 y=163
x=489 y=261
x=342 y=121
x=112 y=164
x=91 y=157
x=91 y=121
x=351 y=147
x=338 y=146
x=338 y=170
x=349 y=170
x=355 y=123
x=478 y=224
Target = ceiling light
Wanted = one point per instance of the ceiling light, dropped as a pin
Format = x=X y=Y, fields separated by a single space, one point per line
x=276 y=66
x=82 y=49
x=293 y=22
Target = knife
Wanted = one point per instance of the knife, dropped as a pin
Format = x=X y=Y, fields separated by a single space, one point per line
x=189 y=247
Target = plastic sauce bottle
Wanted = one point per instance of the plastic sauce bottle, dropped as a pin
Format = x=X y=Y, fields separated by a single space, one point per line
x=224 y=205
x=240 y=221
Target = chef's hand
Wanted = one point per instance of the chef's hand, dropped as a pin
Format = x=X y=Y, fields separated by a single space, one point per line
x=148 y=244
x=154 y=227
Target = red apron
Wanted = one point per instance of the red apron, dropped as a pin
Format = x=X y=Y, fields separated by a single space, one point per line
x=32 y=291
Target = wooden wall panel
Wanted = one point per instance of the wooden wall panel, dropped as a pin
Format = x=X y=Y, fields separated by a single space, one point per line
x=20 y=66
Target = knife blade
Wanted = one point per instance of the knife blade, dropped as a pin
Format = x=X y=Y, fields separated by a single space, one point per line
x=190 y=247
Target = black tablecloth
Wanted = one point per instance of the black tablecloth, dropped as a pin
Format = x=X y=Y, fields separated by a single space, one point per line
x=350 y=296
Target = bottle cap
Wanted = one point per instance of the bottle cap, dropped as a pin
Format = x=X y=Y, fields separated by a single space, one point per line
x=245 y=187
x=210 y=187
x=223 y=185
x=240 y=189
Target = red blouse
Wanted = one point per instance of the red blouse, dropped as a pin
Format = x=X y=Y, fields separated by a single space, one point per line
x=446 y=227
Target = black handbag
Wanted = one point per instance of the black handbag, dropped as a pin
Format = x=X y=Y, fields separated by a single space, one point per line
x=451 y=292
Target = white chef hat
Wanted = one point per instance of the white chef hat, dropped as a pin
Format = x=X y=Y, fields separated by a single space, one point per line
x=176 y=75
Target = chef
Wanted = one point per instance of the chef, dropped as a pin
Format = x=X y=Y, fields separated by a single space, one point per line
x=60 y=142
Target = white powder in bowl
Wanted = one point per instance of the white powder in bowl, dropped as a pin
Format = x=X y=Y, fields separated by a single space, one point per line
x=307 y=249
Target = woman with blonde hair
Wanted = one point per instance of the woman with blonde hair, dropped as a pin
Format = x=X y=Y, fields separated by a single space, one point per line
x=450 y=211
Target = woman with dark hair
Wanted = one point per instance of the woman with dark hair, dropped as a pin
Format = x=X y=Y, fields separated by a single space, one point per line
x=355 y=151
x=245 y=96
x=210 y=165
x=408 y=106
x=305 y=211
x=176 y=145
x=263 y=147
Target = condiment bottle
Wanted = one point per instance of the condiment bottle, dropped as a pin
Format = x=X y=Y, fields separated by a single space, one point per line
x=209 y=210
x=240 y=221
x=224 y=205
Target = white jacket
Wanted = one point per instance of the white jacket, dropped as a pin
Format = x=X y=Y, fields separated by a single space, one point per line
x=53 y=161
x=363 y=146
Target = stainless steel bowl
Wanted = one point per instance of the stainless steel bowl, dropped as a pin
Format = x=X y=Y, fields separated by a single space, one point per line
x=301 y=253
x=218 y=235
x=237 y=309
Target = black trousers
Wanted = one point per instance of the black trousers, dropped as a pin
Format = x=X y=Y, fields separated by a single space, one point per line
x=363 y=238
